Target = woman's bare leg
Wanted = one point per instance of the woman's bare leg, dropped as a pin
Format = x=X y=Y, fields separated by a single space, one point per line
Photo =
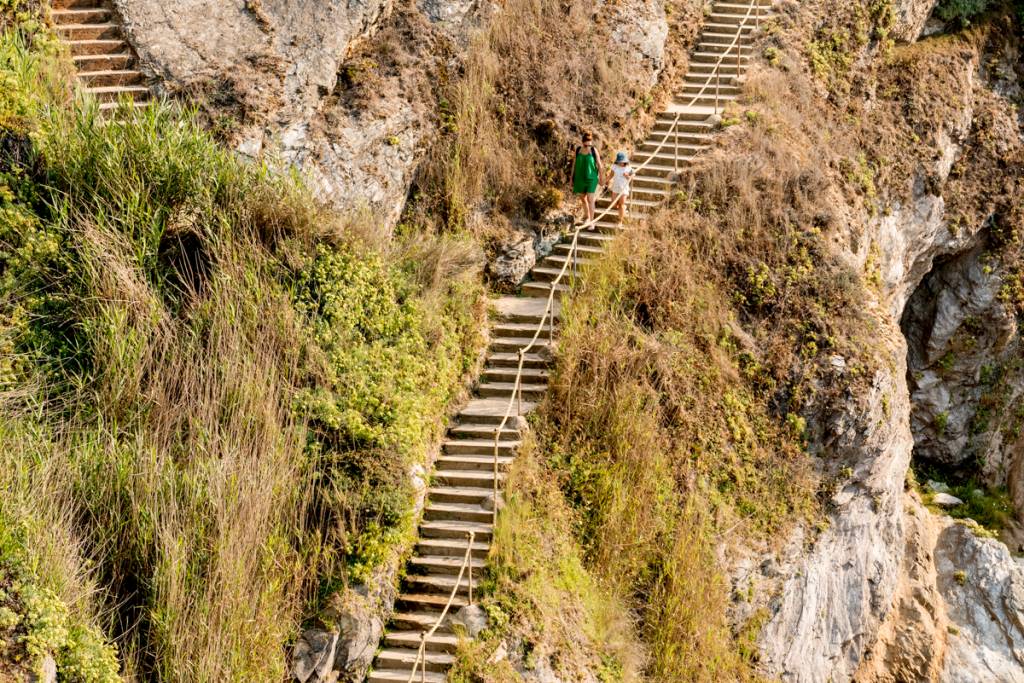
x=591 y=206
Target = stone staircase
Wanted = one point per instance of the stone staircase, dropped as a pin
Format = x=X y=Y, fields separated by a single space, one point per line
x=459 y=499
x=104 y=59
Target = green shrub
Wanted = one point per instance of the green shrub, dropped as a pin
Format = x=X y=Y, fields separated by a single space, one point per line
x=962 y=11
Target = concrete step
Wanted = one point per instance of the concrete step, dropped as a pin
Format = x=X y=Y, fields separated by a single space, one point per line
x=465 y=478
x=97 y=47
x=712 y=35
x=104 y=31
x=439 y=642
x=81 y=15
x=532 y=392
x=79 y=4
x=582 y=249
x=669 y=150
x=114 y=93
x=111 y=78
x=511 y=360
x=513 y=344
x=543 y=289
x=741 y=8
x=518 y=309
x=492 y=410
x=487 y=431
x=461 y=446
x=458 y=512
x=482 y=461
x=420 y=621
x=404 y=658
x=422 y=602
x=460 y=494
x=112 y=62
x=440 y=583
x=503 y=374
x=111 y=107
x=634 y=204
x=712 y=57
x=402 y=676
x=524 y=330
x=444 y=564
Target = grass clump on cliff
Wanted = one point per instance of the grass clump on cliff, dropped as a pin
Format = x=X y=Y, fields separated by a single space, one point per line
x=216 y=383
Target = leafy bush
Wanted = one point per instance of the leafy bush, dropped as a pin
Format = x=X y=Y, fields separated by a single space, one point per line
x=962 y=11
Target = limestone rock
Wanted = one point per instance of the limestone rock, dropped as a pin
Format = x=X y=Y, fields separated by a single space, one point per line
x=513 y=264
x=472 y=619
x=911 y=17
x=47 y=671
x=360 y=629
x=983 y=587
x=945 y=500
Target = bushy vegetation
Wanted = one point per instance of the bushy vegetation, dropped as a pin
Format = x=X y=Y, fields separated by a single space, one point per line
x=962 y=10
x=210 y=388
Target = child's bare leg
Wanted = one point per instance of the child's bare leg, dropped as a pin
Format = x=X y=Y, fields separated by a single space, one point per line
x=622 y=208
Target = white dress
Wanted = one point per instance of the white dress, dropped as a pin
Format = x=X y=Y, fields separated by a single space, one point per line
x=621 y=176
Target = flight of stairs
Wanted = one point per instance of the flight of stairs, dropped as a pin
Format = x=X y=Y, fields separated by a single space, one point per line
x=458 y=500
x=104 y=59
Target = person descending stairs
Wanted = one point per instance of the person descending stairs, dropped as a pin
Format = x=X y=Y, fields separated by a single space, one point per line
x=455 y=534
x=106 y=63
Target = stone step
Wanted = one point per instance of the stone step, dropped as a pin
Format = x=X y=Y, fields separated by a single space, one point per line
x=440 y=583
x=712 y=57
x=97 y=47
x=543 y=289
x=741 y=8
x=469 y=478
x=511 y=360
x=110 y=107
x=402 y=676
x=460 y=494
x=491 y=410
x=76 y=32
x=110 y=77
x=459 y=512
x=524 y=330
x=79 y=4
x=114 y=93
x=459 y=446
x=107 y=62
x=513 y=344
x=583 y=249
x=487 y=431
x=421 y=602
x=404 y=658
x=634 y=204
x=453 y=530
x=482 y=461
x=708 y=99
x=671 y=149
x=727 y=23
x=81 y=15
x=519 y=309
x=439 y=642
x=419 y=621
x=501 y=374
x=444 y=564
x=532 y=392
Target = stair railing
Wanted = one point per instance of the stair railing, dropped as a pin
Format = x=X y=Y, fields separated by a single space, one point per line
x=548 y=318
x=421 y=655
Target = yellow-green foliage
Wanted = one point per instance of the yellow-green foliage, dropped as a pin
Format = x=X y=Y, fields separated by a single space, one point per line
x=849 y=30
x=232 y=383
x=539 y=591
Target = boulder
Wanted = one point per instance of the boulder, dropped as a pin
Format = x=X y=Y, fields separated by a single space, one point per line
x=360 y=629
x=472 y=619
x=945 y=500
x=512 y=265
x=911 y=17
x=983 y=587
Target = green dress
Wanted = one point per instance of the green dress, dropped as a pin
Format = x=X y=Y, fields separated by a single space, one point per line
x=584 y=174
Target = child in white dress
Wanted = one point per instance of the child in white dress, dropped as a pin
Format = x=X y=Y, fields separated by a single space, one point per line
x=622 y=174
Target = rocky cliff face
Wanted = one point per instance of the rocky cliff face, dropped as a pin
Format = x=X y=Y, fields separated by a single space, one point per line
x=304 y=86
x=890 y=591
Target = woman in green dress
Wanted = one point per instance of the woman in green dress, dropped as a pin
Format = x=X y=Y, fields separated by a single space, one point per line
x=586 y=174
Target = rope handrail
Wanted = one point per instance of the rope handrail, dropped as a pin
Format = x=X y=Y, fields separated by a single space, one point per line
x=421 y=654
x=548 y=317
x=517 y=392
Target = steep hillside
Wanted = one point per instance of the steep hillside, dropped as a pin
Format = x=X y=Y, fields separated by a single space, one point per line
x=782 y=438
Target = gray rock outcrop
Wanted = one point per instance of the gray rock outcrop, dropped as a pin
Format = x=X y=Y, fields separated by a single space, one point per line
x=911 y=17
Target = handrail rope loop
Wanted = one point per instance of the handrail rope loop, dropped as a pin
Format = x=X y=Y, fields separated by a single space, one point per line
x=517 y=390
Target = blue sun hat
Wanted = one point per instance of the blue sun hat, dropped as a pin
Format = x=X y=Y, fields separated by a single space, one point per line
x=621 y=158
